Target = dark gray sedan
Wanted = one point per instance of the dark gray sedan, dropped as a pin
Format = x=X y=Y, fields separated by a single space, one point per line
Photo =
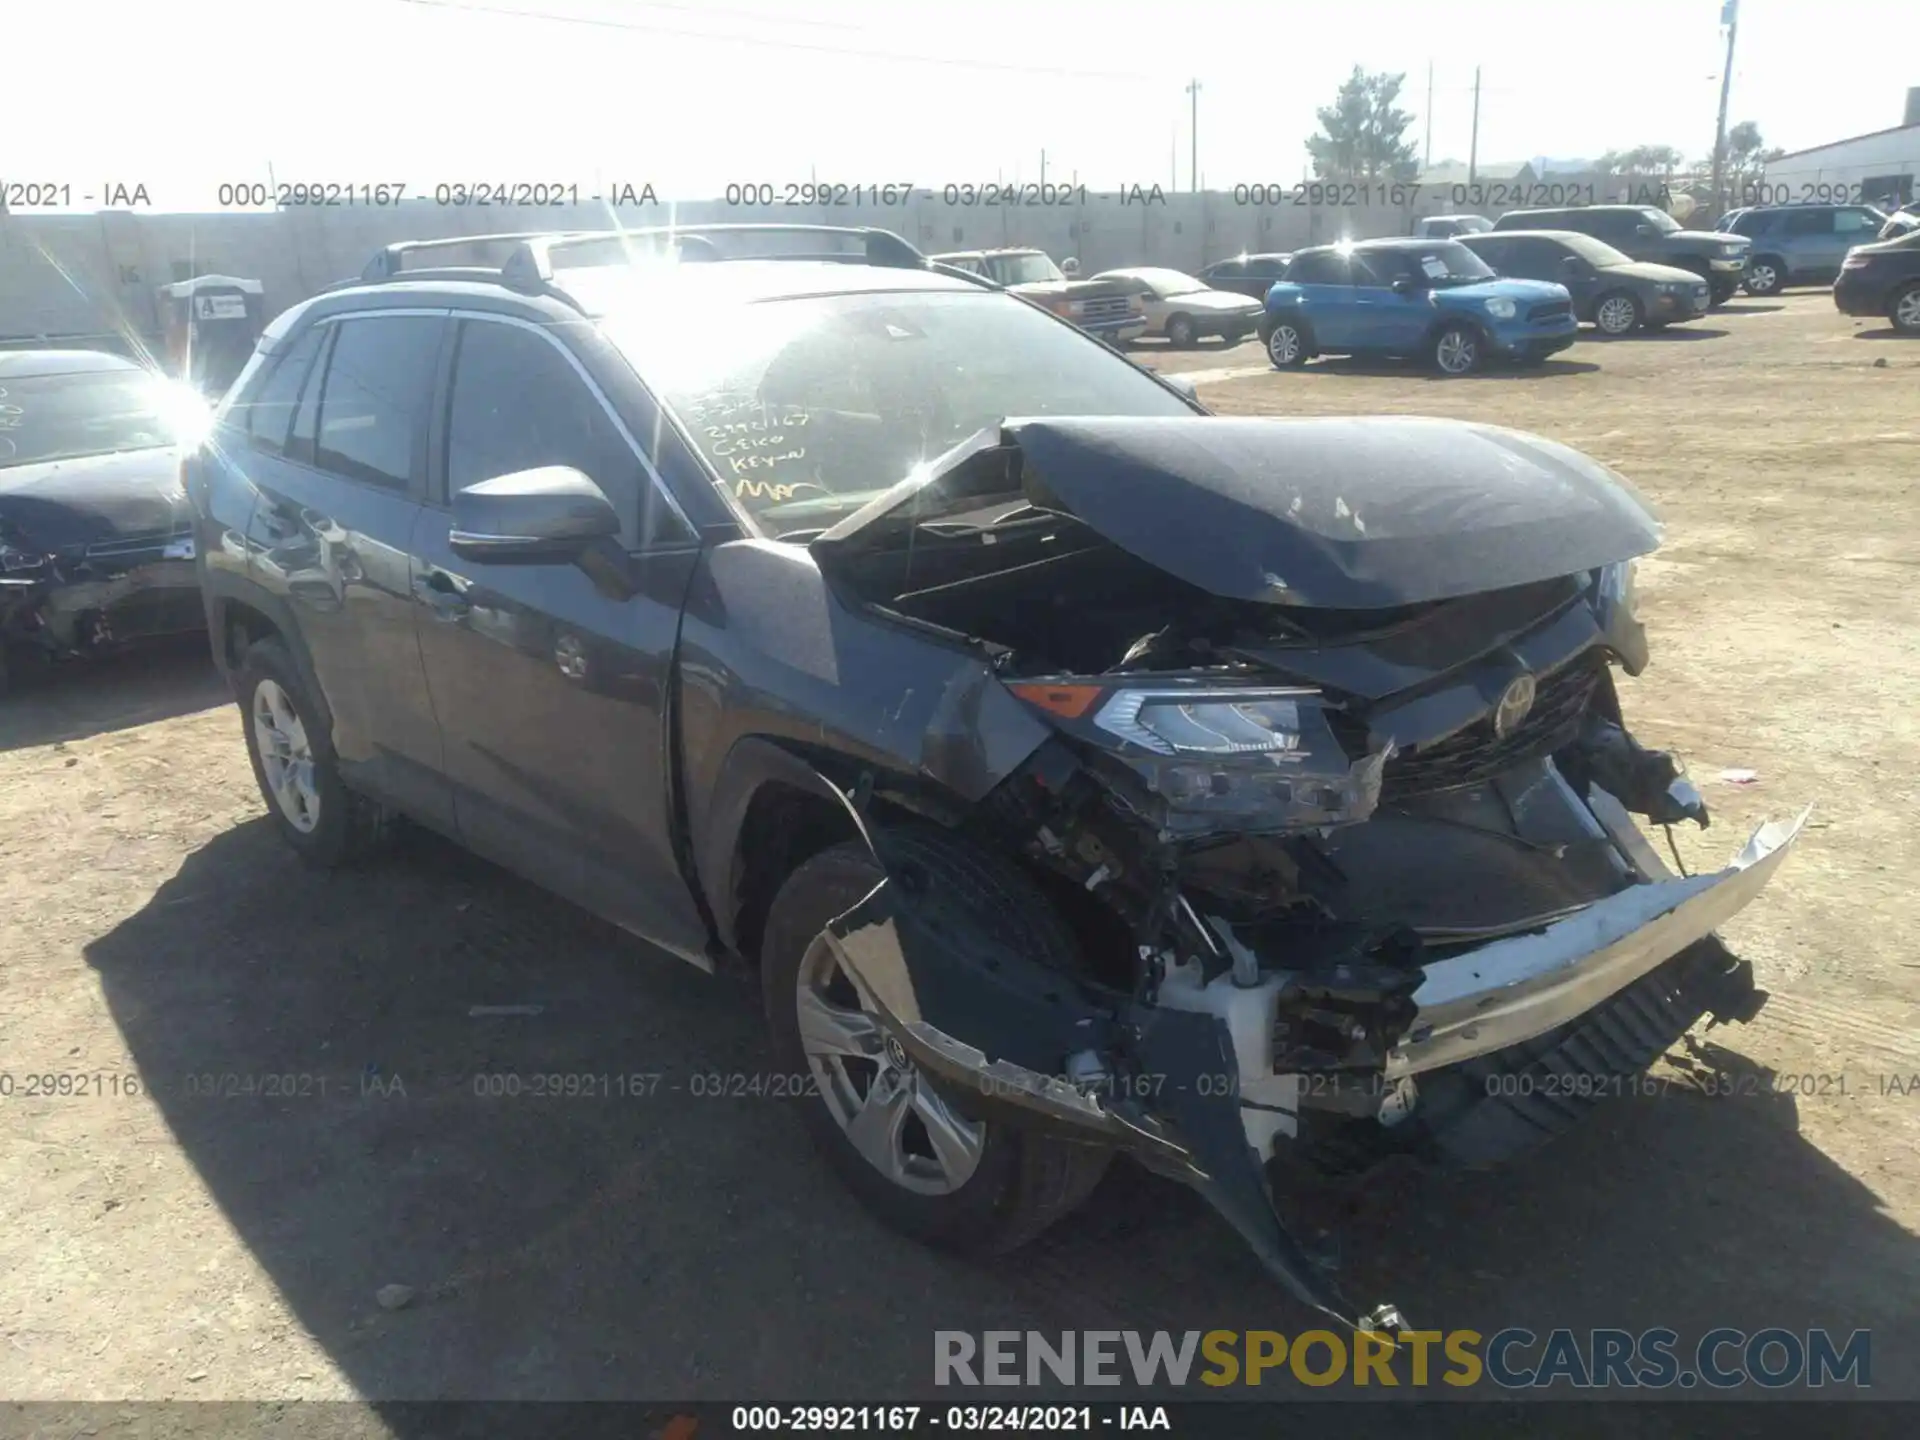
x=1611 y=291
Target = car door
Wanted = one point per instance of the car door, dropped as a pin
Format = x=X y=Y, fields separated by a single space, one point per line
x=1537 y=258
x=554 y=692
x=1327 y=298
x=1389 y=319
x=328 y=535
x=1852 y=225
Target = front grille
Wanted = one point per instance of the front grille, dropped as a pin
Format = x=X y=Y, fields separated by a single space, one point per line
x=1106 y=307
x=1552 y=310
x=1475 y=755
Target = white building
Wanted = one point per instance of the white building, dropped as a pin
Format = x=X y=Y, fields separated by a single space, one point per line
x=1866 y=168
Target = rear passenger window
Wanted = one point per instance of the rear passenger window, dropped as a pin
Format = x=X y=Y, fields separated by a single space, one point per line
x=518 y=404
x=374 y=397
x=266 y=415
x=1810 y=222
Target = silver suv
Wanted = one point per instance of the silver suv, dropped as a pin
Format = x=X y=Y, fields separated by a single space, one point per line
x=1800 y=244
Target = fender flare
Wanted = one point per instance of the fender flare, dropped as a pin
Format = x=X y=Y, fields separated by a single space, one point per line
x=753 y=763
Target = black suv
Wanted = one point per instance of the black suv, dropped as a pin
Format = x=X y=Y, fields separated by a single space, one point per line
x=1646 y=232
x=1080 y=773
x=1800 y=244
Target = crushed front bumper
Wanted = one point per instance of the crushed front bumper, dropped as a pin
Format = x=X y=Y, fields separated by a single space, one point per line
x=1515 y=989
x=1000 y=1030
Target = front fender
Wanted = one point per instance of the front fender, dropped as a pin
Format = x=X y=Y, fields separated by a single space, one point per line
x=998 y=1029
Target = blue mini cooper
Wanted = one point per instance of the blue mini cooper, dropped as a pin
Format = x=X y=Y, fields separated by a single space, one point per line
x=1431 y=298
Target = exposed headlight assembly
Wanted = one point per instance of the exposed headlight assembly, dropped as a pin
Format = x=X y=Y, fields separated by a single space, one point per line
x=1500 y=309
x=1619 y=614
x=1223 y=757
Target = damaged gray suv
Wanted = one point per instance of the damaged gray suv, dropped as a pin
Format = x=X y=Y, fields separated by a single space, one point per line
x=1081 y=773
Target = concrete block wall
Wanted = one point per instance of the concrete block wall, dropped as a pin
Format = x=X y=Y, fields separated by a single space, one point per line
x=77 y=274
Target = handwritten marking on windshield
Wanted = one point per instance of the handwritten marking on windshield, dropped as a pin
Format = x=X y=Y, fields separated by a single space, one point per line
x=772 y=490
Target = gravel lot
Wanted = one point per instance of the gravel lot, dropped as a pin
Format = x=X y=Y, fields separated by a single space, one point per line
x=174 y=1244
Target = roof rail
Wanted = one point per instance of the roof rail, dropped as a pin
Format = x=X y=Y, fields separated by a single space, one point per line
x=531 y=265
x=388 y=260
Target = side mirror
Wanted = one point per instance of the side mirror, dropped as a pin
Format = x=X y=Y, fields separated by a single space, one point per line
x=1570 y=262
x=1405 y=285
x=1644 y=230
x=547 y=516
x=1070 y=268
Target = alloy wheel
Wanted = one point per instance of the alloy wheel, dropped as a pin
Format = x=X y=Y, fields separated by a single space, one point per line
x=1615 y=316
x=1906 y=310
x=1180 y=331
x=286 y=756
x=1762 y=279
x=890 y=1112
x=1456 y=353
x=1283 y=346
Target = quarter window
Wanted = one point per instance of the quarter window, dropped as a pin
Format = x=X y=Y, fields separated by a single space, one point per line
x=267 y=414
x=374 y=396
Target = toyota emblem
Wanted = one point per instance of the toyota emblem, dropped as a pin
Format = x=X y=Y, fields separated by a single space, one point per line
x=1515 y=701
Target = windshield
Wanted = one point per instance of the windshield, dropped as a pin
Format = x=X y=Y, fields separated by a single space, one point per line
x=810 y=407
x=1033 y=269
x=95 y=412
x=1441 y=263
x=1661 y=221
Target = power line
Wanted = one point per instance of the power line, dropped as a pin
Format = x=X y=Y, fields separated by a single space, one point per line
x=600 y=22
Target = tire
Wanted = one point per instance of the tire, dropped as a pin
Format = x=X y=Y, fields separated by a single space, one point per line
x=1904 y=310
x=1180 y=332
x=1765 y=276
x=1289 y=344
x=327 y=825
x=1232 y=336
x=1456 y=350
x=1618 y=313
x=1719 y=292
x=1019 y=1182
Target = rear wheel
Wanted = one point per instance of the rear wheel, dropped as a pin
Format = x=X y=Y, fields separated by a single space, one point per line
x=1765 y=276
x=1617 y=314
x=1904 y=310
x=294 y=764
x=1456 y=350
x=1288 y=345
x=908 y=1148
x=1721 y=291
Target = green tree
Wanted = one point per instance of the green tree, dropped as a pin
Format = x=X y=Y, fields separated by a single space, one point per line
x=1362 y=133
x=1640 y=160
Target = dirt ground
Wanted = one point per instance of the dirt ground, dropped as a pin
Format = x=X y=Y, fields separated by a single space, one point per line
x=154 y=935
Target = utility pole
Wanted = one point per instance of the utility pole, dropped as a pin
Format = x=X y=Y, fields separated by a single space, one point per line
x=1426 y=151
x=1043 y=167
x=1193 y=168
x=1473 y=146
x=1729 y=17
x=1173 y=159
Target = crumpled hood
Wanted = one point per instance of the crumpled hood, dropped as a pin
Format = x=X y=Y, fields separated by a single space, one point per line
x=1360 y=513
x=61 y=504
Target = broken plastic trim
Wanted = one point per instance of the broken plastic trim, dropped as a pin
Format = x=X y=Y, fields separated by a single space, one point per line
x=924 y=987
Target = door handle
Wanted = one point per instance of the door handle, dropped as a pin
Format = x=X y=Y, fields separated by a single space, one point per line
x=445 y=594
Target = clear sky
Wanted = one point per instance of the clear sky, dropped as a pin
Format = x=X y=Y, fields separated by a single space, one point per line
x=689 y=96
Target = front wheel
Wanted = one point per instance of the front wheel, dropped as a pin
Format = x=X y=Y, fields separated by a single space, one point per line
x=1617 y=314
x=1721 y=291
x=1232 y=336
x=1764 y=277
x=1456 y=350
x=1904 y=311
x=1287 y=345
x=1180 y=331
x=906 y=1146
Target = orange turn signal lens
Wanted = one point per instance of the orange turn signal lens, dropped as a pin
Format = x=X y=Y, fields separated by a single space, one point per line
x=1069 y=702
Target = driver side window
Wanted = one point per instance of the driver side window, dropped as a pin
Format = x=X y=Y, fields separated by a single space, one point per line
x=517 y=403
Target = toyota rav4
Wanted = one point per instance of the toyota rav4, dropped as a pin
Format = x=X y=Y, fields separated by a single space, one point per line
x=1081 y=773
